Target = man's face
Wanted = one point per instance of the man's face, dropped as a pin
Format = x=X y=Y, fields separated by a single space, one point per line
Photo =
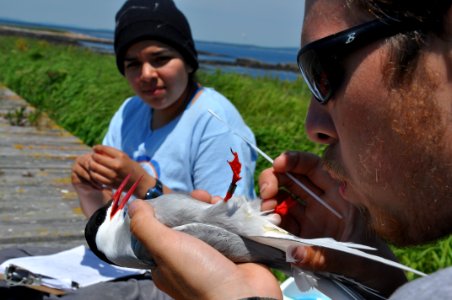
x=387 y=146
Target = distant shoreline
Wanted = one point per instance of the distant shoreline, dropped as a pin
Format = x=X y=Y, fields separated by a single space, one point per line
x=77 y=38
x=52 y=36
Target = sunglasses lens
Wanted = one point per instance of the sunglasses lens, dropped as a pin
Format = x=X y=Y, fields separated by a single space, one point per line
x=315 y=74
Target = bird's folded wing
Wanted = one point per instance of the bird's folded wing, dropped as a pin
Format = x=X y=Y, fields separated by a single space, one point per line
x=235 y=247
x=287 y=242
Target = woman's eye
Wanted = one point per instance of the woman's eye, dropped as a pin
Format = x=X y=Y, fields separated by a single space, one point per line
x=131 y=65
x=160 y=60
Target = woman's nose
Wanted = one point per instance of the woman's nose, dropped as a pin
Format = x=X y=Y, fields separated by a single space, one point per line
x=148 y=71
x=319 y=124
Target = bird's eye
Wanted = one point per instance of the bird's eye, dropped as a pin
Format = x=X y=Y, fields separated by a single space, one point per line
x=99 y=219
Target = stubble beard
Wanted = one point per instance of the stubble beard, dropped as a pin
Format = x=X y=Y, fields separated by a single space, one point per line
x=415 y=148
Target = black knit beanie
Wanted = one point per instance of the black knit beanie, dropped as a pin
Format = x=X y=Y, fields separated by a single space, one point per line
x=159 y=20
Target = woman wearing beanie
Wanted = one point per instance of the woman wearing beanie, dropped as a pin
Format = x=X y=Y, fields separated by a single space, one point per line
x=165 y=132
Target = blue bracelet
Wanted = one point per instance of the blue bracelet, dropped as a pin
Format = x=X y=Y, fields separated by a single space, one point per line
x=154 y=192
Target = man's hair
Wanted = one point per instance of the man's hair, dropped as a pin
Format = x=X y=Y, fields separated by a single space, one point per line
x=405 y=48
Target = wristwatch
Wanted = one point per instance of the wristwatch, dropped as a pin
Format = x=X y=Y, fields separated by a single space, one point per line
x=155 y=191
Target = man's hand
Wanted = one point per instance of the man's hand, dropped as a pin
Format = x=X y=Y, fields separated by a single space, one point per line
x=313 y=220
x=310 y=219
x=188 y=268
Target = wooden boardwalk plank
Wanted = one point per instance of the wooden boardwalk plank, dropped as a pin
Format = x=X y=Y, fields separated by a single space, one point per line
x=38 y=205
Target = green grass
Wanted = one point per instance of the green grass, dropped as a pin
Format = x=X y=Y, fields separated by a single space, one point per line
x=81 y=90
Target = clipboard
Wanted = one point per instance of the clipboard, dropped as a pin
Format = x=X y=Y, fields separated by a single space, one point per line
x=61 y=272
x=15 y=276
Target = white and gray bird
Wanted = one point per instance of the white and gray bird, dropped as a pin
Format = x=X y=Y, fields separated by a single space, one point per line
x=237 y=228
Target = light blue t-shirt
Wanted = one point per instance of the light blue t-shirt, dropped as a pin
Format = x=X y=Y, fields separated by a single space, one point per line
x=190 y=152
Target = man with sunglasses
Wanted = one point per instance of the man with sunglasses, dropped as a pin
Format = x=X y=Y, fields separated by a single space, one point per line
x=380 y=72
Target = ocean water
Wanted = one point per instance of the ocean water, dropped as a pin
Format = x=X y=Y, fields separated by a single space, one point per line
x=225 y=52
x=222 y=52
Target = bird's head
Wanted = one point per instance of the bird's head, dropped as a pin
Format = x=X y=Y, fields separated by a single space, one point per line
x=92 y=227
x=107 y=231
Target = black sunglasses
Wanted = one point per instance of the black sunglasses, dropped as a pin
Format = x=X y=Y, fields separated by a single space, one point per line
x=320 y=62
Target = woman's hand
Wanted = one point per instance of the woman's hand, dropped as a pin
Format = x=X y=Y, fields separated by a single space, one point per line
x=110 y=166
x=188 y=268
x=91 y=194
x=80 y=173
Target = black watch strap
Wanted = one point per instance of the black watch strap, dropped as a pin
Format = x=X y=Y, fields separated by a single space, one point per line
x=154 y=192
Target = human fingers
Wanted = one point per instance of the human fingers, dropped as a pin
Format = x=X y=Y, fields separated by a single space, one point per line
x=268 y=184
x=106 y=150
x=306 y=216
x=79 y=169
x=201 y=195
x=204 y=196
x=114 y=161
x=309 y=258
x=81 y=172
x=303 y=175
x=373 y=274
x=272 y=199
x=112 y=166
x=109 y=161
x=273 y=179
x=188 y=268
x=102 y=172
x=306 y=164
x=117 y=161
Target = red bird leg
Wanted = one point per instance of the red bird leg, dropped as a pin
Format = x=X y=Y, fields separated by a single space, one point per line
x=117 y=196
x=230 y=192
x=236 y=167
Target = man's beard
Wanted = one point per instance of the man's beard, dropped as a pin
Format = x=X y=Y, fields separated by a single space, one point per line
x=417 y=169
x=332 y=166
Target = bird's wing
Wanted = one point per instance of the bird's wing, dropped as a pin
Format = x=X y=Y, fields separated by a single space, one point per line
x=235 y=247
x=287 y=242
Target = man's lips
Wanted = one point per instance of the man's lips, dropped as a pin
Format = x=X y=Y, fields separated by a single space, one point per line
x=335 y=170
x=340 y=179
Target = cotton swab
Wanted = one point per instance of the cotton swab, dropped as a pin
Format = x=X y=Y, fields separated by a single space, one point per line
x=268 y=158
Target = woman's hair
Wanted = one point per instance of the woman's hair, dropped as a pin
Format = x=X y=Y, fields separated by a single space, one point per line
x=405 y=47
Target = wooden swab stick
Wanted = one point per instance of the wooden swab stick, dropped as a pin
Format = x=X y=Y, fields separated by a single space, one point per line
x=298 y=182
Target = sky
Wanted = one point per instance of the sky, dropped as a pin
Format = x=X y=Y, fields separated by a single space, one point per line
x=269 y=23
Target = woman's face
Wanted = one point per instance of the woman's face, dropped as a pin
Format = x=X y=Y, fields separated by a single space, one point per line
x=157 y=73
x=387 y=146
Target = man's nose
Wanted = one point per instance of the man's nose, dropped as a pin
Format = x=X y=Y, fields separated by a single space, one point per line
x=320 y=126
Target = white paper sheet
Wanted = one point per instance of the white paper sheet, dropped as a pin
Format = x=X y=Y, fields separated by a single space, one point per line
x=79 y=265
